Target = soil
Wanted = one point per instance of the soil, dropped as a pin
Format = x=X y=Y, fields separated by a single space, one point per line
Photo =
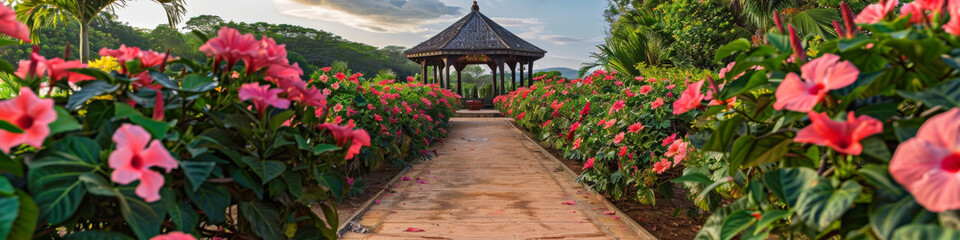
x=670 y=219
x=375 y=181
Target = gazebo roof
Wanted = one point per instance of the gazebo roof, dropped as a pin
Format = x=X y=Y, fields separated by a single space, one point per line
x=475 y=34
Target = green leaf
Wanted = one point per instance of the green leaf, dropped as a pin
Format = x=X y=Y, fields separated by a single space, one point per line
x=279 y=118
x=213 y=200
x=198 y=83
x=90 y=89
x=55 y=177
x=9 y=127
x=145 y=219
x=96 y=235
x=745 y=83
x=97 y=185
x=197 y=172
x=5 y=187
x=879 y=176
x=732 y=48
x=780 y=41
x=788 y=183
x=184 y=217
x=156 y=128
x=712 y=227
x=875 y=148
x=721 y=138
x=853 y=43
x=738 y=154
x=9 y=206
x=26 y=221
x=123 y=110
x=243 y=178
x=946 y=94
x=322 y=148
x=264 y=219
x=266 y=170
x=886 y=216
x=823 y=204
x=10 y=165
x=771 y=216
x=695 y=177
x=163 y=80
x=926 y=232
x=65 y=122
x=332 y=181
x=735 y=223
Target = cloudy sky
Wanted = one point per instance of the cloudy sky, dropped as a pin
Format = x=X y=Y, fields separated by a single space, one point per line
x=567 y=29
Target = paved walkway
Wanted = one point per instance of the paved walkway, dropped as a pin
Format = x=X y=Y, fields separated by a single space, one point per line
x=490 y=182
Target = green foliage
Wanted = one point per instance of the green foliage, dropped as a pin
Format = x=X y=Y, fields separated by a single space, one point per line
x=240 y=171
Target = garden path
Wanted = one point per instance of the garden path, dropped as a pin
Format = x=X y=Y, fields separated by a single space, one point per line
x=491 y=182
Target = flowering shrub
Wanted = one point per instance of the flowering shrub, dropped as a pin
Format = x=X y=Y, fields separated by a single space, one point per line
x=406 y=117
x=858 y=141
x=166 y=148
x=623 y=128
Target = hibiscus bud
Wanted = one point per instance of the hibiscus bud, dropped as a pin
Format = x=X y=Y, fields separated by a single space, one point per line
x=798 y=51
x=836 y=27
x=163 y=65
x=33 y=62
x=66 y=53
x=848 y=19
x=778 y=21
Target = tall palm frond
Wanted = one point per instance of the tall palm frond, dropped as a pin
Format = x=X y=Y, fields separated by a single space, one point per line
x=760 y=12
x=39 y=14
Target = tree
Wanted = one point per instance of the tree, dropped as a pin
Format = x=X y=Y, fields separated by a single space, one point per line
x=38 y=14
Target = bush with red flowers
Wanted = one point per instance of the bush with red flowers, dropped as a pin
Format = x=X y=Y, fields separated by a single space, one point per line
x=618 y=125
x=238 y=147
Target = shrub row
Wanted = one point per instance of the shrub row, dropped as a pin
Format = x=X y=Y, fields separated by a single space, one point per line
x=238 y=147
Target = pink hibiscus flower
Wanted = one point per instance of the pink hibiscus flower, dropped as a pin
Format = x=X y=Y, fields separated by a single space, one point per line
x=661 y=166
x=928 y=165
x=875 y=13
x=609 y=123
x=31 y=114
x=267 y=53
x=588 y=164
x=174 y=236
x=842 y=136
x=346 y=135
x=59 y=69
x=677 y=150
x=656 y=103
x=576 y=144
x=819 y=77
x=263 y=96
x=689 y=99
x=669 y=140
x=619 y=138
x=617 y=106
x=134 y=157
x=635 y=128
x=11 y=27
x=230 y=46
x=646 y=89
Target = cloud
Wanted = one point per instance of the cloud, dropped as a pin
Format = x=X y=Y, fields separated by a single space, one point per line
x=384 y=16
x=517 y=22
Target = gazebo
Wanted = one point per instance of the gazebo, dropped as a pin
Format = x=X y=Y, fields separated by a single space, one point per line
x=475 y=39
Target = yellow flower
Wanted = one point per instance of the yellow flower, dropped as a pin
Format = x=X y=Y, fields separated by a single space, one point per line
x=106 y=64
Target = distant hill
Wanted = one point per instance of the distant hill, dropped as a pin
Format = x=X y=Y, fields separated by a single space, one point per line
x=567 y=72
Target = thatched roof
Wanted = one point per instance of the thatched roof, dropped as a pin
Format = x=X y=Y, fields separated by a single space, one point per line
x=475 y=34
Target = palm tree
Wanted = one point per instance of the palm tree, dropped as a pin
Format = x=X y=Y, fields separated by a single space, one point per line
x=38 y=14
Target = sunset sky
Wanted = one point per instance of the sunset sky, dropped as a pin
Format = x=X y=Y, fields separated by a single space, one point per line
x=567 y=29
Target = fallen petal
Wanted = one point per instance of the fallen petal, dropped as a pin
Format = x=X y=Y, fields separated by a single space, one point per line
x=571 y=202
x=609 y=213
x=413 y=229
x=405 y=178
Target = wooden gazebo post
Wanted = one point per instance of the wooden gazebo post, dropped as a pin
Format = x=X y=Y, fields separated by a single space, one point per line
x=459 y=68
x=530 y=73
x=513 y=72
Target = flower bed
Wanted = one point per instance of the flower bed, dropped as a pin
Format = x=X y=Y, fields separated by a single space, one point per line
x=622 y=128
x=855 y=139
x=164 y=147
